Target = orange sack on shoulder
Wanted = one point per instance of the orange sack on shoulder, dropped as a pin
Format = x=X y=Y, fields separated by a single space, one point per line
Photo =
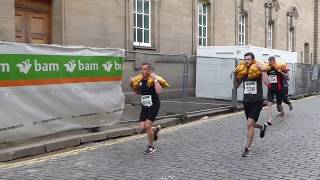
x=255 y=72
x=135 y=84
x=241 y=70
x=252 y=72
x=281 y=66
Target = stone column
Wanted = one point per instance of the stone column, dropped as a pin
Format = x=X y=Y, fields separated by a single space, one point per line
x=7 y=20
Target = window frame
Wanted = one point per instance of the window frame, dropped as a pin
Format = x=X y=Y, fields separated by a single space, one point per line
x=203 y=40
x=270 y=36
x=242 y=30
x=291 y=35
x=135 y=24
x=291 y=40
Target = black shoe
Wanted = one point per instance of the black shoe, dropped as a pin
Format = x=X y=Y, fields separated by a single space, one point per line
x=246 y=152
x=269 y=123
x=263 y=130
x=149 y=150
x=156 y=131
x=290 y=107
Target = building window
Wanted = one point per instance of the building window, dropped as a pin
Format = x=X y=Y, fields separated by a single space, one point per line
x=290 y=39
x=270 y=35
x=141 y=29
x=203 y=24
x=306 y=53
x=242 y=30
x=292 y=16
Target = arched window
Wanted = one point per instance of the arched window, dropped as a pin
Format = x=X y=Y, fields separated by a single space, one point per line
x=271 y=8
x=292 y=16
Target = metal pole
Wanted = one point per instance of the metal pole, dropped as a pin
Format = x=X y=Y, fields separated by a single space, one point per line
x=184 y=87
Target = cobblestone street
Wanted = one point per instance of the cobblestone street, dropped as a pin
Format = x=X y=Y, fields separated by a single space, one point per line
x=207 y=149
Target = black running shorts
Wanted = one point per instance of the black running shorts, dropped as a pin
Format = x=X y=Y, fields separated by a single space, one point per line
x=253 y=109
x=272 y=93
x=149 y=113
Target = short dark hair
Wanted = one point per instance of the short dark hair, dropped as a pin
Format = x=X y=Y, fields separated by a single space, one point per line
x=271 y=58
x=147 y=64
x=249 y=54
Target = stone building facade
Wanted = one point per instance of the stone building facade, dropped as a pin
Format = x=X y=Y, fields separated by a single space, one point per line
x=166 y=26
x=169 y=26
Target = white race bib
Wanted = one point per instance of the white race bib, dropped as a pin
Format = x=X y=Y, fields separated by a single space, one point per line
x=146 y=100
x=273 y=79
x=250 y=87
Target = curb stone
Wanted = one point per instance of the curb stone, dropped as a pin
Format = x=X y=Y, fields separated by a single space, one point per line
x=45 y=146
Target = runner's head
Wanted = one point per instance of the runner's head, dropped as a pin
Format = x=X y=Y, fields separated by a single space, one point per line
x=248 y=58
x=146 y=69
x=272 y=60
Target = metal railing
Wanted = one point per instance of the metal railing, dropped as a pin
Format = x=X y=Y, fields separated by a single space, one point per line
x=201 y=84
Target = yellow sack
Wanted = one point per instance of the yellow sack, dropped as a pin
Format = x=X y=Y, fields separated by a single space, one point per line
x=135 y=84
x=163 y=82
x=281 y=66
x=254 y=71
x=241 y=70
x=267 y=66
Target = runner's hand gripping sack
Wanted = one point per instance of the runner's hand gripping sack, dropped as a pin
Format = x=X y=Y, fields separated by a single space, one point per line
x=163 y=82
x=150 y=82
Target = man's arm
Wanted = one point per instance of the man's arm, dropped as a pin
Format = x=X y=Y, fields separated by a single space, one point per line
x=284 y=75
x=237 y=83
x=137 y=91
x=265 y=78
x=157 y=85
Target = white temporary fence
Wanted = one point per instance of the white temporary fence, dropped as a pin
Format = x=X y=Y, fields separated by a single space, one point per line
x=47 y=89
x=214 y=77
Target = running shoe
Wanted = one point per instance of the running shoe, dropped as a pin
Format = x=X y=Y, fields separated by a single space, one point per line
x=263 y=130
x=149 y=150
x=246 y=152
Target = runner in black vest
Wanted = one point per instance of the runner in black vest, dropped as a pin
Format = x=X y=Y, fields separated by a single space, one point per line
x=253 y=102
x=150 y=105
x=275 y=88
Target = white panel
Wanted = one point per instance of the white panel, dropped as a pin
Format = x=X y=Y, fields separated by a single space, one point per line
x=213 y=79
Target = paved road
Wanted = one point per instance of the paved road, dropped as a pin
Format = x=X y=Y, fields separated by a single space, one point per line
x=207 y=149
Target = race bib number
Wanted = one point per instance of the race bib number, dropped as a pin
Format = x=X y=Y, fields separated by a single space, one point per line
x=250 y=87
x=273 y=79
x=146 y=100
